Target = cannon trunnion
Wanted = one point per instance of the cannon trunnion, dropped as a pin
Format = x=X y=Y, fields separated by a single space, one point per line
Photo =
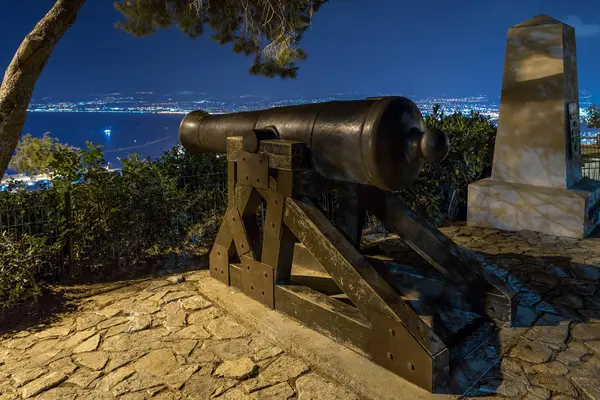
x=286 y=158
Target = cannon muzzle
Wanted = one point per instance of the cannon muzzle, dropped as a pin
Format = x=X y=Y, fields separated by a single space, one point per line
x=380 y=142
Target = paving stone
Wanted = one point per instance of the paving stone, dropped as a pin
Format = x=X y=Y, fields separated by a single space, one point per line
x=529 y=299
x=558 y=309
x=594 y=345
x=88 y=320
x=178 y=377
x=580 y=286
x=228 y=349
x=123 y=305
x=136 y=382
x=64 y=365
x=553 y=368
x=41 y=347
x=588 y=272
x=172 y=296
x=548 y=280
x=590 y=368
x=590 y=386
x=558 y=384
x=193 y=332
x=158 y=362
x=58 y=393
x=226 y=328
x=108 y=312
x=23 y=377
x=117 y=343
x=117 y=329
x=94 y=360
x=204 y=316
x=56 y=331
x=251 y=385
x=235 y=394
x=133 y=396
x=167 y=395
x=121 y=358
x=42 y=384
x=195 y=303
x=573 y=355
x=202 y=356
x=569 y=299
x=538 y=393
x=315 y=387
x=591 y=316
x=90 y=344
x=592 y=303
x=147 y=307
x=283 y=391
x=200 y=387
x=112 y=322
x=513 y=370
x=549 y=329
x=183 y=347
x=139 y=322
x=525 y=316
x=113 y=378
x=532 y=352
x=505 y=387
x=236 y=369
x=585 y=332
x=176 y=279
x=175 y=316
x=283 y=369
x=262 y=349
x=158 y=295
x=84 y=377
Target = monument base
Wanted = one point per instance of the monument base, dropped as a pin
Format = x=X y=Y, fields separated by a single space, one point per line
x=518 y=207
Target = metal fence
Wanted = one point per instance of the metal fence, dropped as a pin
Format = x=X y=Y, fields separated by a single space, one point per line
x=130 y=227
x=56 y=215
x=590 y=156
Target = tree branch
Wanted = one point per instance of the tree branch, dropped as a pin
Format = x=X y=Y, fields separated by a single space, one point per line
x=24 y=70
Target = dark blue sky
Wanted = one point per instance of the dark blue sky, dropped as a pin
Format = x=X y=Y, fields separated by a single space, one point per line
x=427 y=48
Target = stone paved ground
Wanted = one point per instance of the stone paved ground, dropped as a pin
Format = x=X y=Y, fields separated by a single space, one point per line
x=554 y=351
x=162 y=339
x=157 y=339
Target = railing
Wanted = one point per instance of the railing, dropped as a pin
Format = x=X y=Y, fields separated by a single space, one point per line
x=590 y=156
x=120 y=231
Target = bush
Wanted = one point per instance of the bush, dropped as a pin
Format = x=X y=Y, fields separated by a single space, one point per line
x=21 y=260
x=440 y=192
x=143 y=211
x=147 y=209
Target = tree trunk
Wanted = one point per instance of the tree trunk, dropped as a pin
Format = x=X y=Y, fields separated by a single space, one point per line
x=24 y=70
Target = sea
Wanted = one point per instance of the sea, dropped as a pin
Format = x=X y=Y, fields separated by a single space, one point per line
x=119 y=134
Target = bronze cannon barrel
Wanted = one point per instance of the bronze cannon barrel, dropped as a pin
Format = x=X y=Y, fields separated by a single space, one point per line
x=380 y=142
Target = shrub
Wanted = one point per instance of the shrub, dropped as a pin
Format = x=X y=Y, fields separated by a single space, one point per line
x=440 y=192
x=21 y=262
x=147 y=209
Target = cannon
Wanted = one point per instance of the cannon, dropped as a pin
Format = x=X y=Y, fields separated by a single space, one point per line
x=286 y=158
x=380 y=142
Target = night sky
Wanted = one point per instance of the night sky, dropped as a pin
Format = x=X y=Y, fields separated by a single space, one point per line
x=423 y=48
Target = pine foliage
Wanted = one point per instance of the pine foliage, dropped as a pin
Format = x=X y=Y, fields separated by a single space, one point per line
x=267 y=30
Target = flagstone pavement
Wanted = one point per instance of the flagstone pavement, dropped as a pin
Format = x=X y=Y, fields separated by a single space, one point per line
x=162 y=339
x=157 y=339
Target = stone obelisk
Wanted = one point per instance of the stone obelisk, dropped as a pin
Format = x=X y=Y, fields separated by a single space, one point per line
x=536 y=181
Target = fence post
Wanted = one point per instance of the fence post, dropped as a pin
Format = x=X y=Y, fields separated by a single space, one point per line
x=69 y=244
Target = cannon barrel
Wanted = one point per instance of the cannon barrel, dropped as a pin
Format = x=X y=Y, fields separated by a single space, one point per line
x=380 y=142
